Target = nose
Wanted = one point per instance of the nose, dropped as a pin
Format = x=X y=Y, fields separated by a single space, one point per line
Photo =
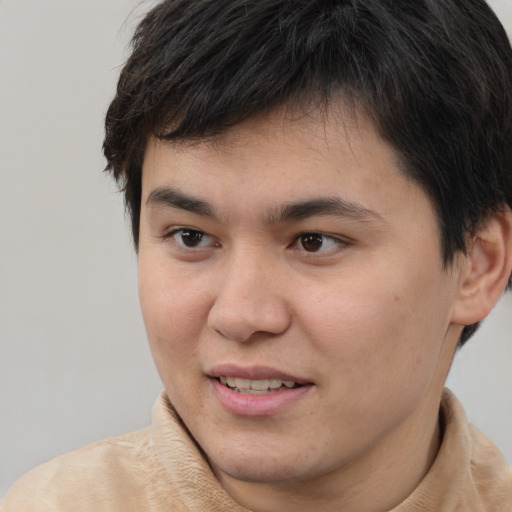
x=250 y=300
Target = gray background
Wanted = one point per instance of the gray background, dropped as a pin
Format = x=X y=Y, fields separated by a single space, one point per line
x=74 y=363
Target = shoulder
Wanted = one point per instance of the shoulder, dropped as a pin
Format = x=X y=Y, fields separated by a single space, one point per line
x=484 y=476
x=111 y=474
x=491 y=474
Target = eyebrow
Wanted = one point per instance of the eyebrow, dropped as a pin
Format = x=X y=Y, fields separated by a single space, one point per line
x=293 y=211
x=171 y=198
x=334 y=206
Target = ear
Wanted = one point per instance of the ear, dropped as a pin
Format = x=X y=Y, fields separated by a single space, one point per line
x=485 y=270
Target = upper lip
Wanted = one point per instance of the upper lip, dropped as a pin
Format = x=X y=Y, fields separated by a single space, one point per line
x=253 y=373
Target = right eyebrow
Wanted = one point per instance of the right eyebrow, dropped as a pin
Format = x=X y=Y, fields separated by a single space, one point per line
x=172 y=198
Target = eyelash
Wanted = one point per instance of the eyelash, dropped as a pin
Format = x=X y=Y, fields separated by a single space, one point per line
x=301 y=239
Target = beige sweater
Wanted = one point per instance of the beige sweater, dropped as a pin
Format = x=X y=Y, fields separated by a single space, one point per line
x=161 y=469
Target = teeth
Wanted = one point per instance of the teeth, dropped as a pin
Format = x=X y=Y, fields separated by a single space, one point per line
x=240 y=383
x=255 y=387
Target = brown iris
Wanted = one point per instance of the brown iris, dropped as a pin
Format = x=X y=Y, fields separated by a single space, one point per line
x=311 y=242
x=191 y=238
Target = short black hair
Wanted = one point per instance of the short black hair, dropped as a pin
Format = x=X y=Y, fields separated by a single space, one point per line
x=435 y=77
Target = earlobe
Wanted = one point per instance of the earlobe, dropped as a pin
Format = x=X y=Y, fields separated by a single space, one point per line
x=485 y=270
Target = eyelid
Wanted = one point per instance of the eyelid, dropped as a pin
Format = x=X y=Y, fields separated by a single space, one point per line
x=171 y=231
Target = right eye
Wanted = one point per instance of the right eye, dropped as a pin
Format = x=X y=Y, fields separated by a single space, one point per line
x=191 y=238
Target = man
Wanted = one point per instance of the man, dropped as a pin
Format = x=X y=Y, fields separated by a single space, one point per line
x=321 y=200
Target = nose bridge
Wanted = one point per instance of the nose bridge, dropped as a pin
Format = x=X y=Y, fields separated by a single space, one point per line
x=249 y=298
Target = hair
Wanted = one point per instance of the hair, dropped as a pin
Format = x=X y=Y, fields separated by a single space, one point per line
x=435 y=77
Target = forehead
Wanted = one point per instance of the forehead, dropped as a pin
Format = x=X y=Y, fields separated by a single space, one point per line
x=280 y=155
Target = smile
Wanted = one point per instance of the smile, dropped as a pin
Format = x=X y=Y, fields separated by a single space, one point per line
x=257 y=387
x=258 y=397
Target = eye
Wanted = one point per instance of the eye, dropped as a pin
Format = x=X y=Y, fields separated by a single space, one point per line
x=318 y=242
x=191 y=238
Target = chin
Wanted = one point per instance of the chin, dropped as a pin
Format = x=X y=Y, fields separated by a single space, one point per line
x=263 y=466
x=267 y=474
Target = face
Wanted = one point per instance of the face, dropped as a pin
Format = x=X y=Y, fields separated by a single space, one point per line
x=294 y=296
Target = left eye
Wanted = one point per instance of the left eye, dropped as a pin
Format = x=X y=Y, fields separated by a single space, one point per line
x=317 y=242
x=191 y=238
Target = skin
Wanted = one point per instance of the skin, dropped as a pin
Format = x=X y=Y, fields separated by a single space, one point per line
x=367 y=313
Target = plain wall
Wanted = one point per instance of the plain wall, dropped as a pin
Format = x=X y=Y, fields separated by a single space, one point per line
x=74 y=362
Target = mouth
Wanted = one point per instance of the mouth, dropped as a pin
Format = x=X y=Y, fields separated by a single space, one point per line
x=257 y=391
x=257 y=387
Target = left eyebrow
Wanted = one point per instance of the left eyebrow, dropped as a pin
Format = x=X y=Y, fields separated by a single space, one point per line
x=334 y=206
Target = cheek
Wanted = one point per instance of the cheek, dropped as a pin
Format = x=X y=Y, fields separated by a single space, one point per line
x=174 y=315
x=377 y=353
x=173 y=323
x=383 y=331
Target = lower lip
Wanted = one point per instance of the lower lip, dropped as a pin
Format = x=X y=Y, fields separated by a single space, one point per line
x=257 y=405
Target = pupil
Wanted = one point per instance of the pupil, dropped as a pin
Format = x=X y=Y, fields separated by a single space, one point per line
x=311 y=241
x=191 y=238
